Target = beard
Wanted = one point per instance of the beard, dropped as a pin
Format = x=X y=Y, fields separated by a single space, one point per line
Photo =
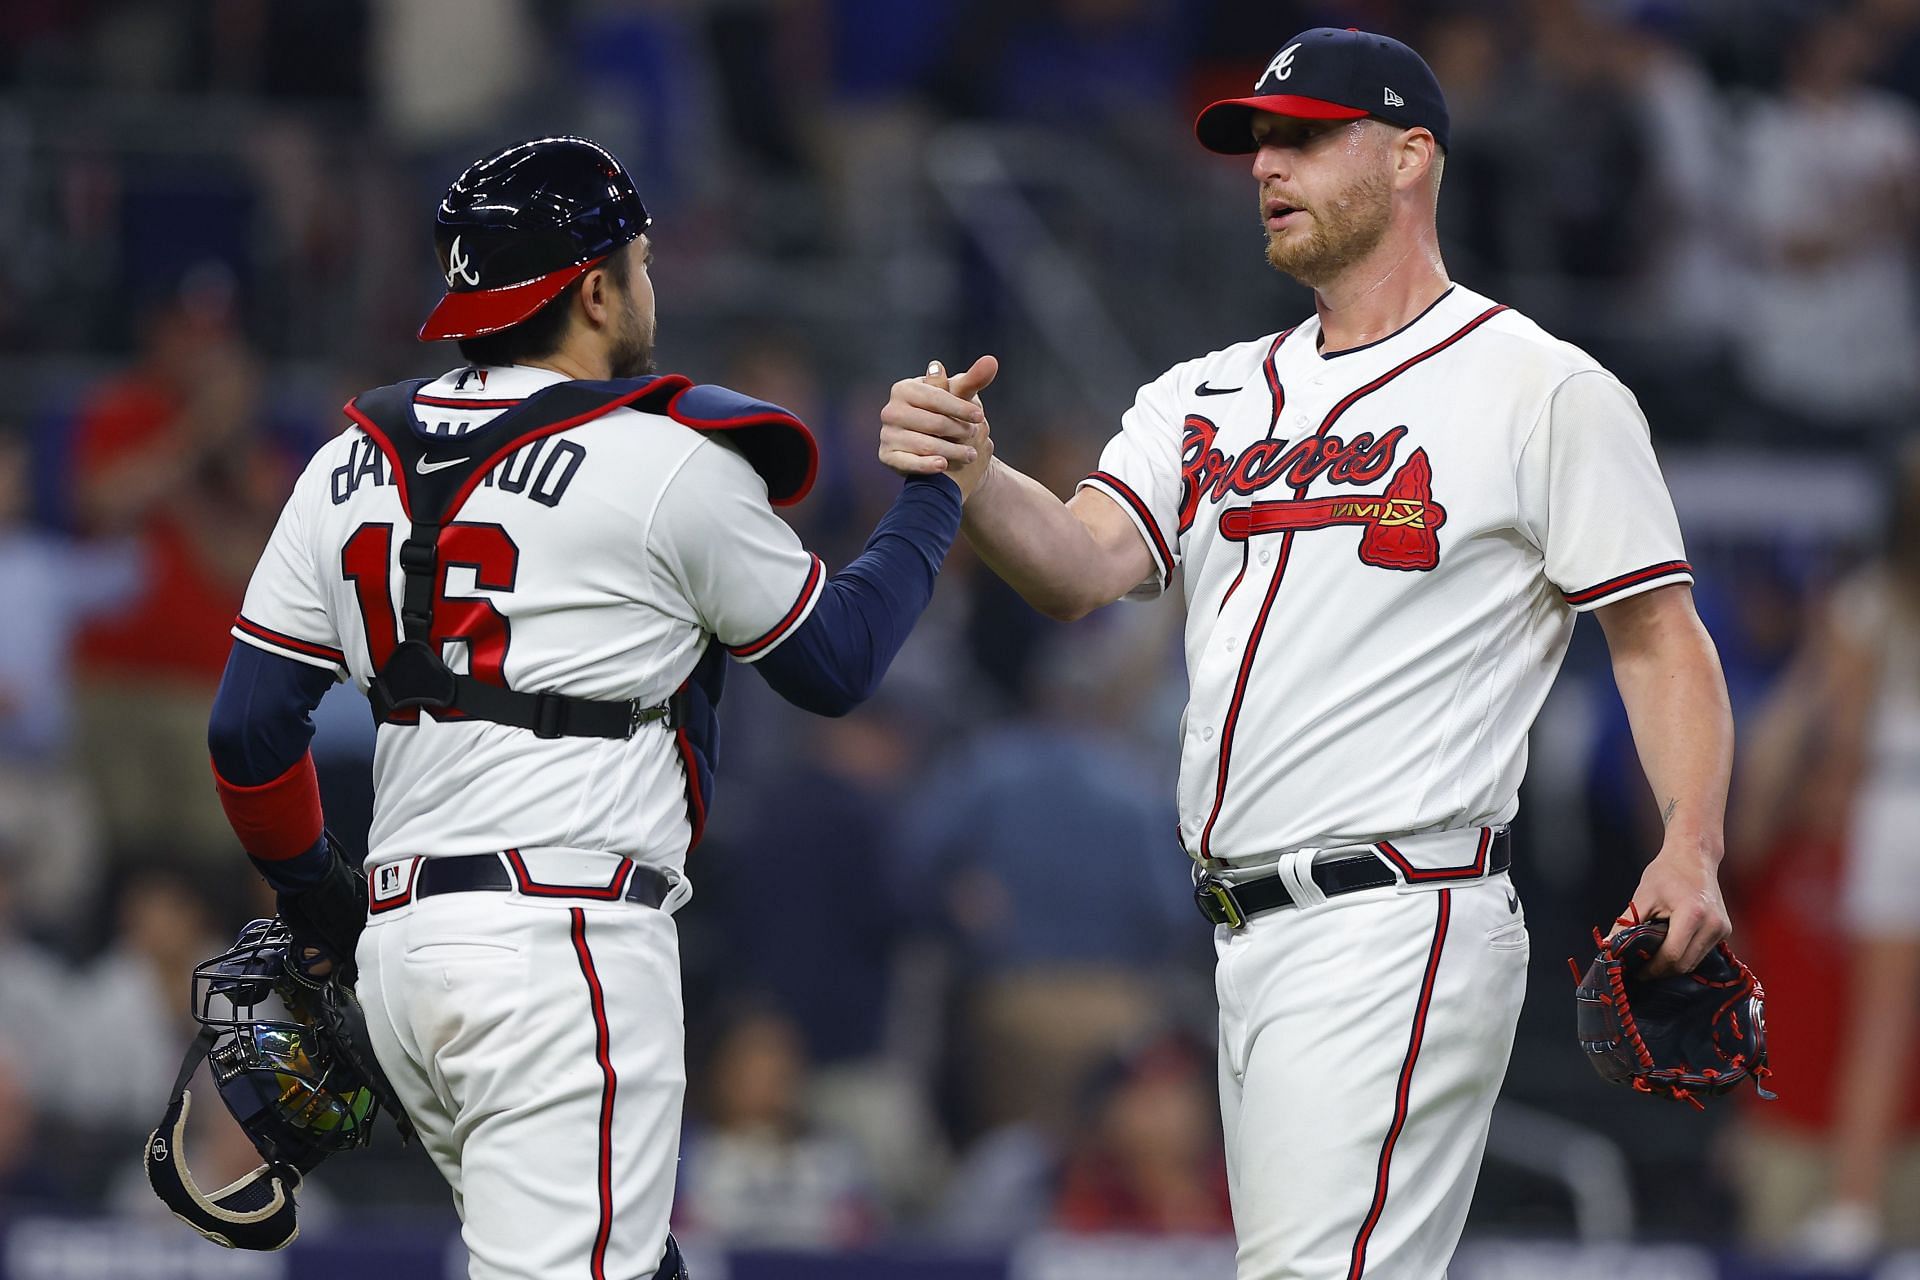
x=1346 y=229
x=632 y=353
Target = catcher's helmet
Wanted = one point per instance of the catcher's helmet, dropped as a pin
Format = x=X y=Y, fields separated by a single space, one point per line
x=521 y=225
x=273 y=1042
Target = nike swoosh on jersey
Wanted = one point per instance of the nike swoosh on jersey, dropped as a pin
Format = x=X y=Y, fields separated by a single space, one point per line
x=1204 y=390
x=426 y=468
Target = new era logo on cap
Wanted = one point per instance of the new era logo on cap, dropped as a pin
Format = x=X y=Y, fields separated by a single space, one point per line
x=1332 y=74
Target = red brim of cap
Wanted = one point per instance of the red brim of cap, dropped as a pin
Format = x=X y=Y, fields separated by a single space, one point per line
x=1227 y=126
x=475 y=313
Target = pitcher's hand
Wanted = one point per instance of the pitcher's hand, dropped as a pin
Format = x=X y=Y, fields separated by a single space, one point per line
x=933 y=424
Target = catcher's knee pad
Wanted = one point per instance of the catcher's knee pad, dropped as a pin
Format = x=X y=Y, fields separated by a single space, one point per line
x=672 y=1266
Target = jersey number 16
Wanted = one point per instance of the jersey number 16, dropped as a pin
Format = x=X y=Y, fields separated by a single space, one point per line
x=367 y=561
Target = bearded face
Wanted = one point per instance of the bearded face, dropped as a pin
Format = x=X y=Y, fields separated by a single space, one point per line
x=1323 y=237
x=632 y=352
x=632 y=339
x=1332 y=205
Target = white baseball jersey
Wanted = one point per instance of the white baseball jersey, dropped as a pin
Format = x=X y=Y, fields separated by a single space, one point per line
x=597 y=562
x=1384 y=550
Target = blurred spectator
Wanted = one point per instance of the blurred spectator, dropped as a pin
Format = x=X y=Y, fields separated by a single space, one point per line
x=1149 y=1160
x=171 y=453
x=1137 y=1151
x=139 y=987
x=1831 y=790
x=25 y=1181
x=753 y=1171
x=805 y=876
x=1686 y=278
x=1582 y=156
x=50 y=585
x=496 y=45
x=1830 y=190
x=1049 y=863
x=36 y=1002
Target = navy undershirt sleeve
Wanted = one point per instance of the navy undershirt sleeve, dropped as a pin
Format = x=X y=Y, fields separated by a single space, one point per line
x=835 y=659
x=262 y=723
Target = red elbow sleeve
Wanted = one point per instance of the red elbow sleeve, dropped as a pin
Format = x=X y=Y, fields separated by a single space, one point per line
x=275 y=820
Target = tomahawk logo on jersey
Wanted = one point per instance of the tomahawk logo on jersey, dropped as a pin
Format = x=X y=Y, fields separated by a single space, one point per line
x=1308 y=510
x=681 y=549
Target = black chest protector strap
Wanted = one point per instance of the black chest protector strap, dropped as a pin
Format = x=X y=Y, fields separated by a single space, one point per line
x=435 y=477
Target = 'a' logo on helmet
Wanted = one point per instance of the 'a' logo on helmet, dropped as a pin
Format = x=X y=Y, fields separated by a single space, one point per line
x=459 y=266
x=159 y=1149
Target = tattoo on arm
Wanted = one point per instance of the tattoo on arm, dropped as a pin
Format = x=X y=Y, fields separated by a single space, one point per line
x=1666 y=815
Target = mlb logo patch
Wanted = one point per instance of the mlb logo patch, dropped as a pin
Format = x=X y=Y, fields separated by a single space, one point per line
x=391 y=884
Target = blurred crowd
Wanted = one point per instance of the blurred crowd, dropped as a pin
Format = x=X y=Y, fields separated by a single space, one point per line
x=944 y=978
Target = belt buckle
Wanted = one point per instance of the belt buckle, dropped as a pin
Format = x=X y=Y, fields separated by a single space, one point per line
x=1215 y=899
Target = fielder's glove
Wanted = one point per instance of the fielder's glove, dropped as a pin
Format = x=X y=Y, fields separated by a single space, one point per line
x=1684 y=1036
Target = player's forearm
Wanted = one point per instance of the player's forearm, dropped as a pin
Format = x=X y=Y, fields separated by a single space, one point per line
x=1028 y=536
x=1669 y=678
x=258 y=735
x=836 y=658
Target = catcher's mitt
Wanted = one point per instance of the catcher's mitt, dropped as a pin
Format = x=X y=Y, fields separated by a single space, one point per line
x=1684 y=1036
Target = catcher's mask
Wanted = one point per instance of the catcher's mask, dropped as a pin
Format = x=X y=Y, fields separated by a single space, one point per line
x=269 y=1037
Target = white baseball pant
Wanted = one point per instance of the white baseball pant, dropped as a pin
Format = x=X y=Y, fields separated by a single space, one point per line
x=538 y=1045
x=1363 y=1040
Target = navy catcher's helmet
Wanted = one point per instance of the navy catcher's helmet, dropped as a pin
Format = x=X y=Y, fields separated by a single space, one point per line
x=279 y=1046
x=521 y=225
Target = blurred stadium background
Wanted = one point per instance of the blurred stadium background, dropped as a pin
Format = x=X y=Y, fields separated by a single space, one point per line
x=950 y=1009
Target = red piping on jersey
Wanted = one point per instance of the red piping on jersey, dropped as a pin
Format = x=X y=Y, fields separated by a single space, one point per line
x=448 y=402
x=1611 y=585
x=779 y=629
x=1278 y=394
x=532 y=888
x=1132 y=499
x=1417 y=875
x=1232 y=719
x=679 y=384
x=603 y=1052
x=1358 y=1266
x=696 y=803
x=281 y=640
x=275 y=820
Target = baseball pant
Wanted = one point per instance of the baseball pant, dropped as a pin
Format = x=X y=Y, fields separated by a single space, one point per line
x=539 y=1047
x=1363 y=1040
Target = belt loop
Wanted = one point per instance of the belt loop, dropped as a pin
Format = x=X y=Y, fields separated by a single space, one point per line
x=1295 y=869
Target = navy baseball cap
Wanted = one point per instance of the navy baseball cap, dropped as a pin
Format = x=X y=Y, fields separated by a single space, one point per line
x=1332 y=74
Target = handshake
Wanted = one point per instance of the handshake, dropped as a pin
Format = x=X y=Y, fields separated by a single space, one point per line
x=935 y=423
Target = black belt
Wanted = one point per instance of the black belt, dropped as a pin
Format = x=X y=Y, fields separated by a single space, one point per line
x=485 y=871
x=1234 y=904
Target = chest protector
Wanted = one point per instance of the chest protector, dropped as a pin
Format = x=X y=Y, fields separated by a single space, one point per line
x=436 y=475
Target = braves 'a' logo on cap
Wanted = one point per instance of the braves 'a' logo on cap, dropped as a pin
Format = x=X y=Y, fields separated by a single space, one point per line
x=459 y=266
x=1281 y=67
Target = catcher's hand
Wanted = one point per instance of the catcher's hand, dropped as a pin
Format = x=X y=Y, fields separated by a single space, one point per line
x=1684 y=1035
x=326 y=918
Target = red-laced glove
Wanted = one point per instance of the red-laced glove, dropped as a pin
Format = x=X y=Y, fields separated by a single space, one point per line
x=1684 y=1036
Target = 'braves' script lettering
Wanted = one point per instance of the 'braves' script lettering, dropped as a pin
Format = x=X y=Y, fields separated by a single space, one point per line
x=1206 y=471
